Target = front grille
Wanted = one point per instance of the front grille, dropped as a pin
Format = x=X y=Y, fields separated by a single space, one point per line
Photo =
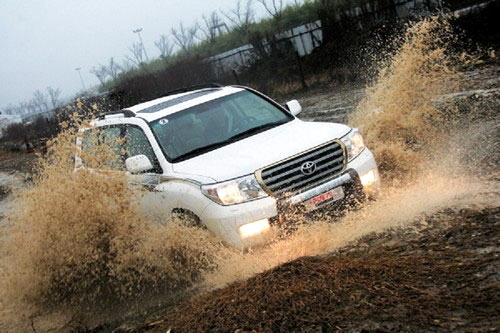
x=287 y=178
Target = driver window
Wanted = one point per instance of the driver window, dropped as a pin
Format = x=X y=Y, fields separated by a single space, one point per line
x=137 y=143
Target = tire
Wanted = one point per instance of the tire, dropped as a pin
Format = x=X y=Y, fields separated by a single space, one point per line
x=187 y=218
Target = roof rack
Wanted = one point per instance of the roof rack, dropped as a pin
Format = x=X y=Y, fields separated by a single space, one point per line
x=191 y=88
x=126 y=113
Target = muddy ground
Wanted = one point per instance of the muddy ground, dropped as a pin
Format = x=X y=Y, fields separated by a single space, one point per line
x=443 y=278
x=441 y=274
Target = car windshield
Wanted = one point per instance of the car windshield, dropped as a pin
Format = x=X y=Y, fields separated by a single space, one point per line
x=216 y=123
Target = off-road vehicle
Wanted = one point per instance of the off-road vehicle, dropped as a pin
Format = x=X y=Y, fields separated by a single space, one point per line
x=232 y=160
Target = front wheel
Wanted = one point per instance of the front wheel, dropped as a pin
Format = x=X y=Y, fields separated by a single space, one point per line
x=187 y=219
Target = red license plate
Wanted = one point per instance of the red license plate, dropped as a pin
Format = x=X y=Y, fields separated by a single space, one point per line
x=332 y=195
x=322 y=197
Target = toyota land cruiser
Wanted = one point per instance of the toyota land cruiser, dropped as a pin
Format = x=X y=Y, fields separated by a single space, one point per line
x=232 y=160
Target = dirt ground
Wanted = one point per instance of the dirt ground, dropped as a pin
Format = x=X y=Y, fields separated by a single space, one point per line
x=20 y=162
x=444 y=278
x=15 y=170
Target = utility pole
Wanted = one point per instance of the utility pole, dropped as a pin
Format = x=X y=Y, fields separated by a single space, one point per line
x=138 y=32
x=218 y=28
x=81 y=78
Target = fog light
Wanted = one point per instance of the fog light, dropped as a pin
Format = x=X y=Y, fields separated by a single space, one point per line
x=254 y=228
x=369 y=178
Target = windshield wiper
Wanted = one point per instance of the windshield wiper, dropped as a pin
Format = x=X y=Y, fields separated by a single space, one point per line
x=201 y=150
x=198 y=151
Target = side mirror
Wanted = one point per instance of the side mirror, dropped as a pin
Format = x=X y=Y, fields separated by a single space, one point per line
x=138 y=164
x=294 y=107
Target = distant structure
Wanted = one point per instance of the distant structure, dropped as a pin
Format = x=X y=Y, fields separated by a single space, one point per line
x=32 y=117
x=307 y=37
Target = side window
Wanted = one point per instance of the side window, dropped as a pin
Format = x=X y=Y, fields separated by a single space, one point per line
x=136 y=143
x=89 y=140
x=102 y=147
x=112 y=137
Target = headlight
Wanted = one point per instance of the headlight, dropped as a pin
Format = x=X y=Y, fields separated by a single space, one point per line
x=354 y=143
x=234 y=191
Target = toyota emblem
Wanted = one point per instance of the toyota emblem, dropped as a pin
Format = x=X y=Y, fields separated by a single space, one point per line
x=308 y=168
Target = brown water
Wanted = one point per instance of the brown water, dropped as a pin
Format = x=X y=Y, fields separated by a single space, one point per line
x=398 y=117
x=76 y=246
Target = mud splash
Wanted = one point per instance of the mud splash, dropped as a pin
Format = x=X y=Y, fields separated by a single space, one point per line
x=75 y=244
x=399 y=117
x=399 y=208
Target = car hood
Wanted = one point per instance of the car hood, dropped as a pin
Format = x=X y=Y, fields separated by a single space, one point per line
x=244 y=157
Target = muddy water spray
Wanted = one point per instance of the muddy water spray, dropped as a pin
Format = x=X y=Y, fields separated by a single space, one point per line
x=75 y=243
x=398 y=117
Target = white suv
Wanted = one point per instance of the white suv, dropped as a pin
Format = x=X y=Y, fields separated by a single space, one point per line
x=234 y=161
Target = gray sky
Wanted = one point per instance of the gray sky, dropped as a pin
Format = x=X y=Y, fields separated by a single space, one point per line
x=43 y=41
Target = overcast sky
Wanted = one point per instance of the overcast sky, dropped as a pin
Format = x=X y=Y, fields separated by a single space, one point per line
x=43 y=41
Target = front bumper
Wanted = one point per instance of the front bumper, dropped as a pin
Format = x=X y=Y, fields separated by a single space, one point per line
x=226 y=221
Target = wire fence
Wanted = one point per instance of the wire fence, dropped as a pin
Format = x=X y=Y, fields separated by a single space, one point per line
x=304 y=39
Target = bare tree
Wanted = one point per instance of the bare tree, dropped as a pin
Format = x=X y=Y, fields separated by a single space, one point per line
x=184 y=36
x=127 y=65
x=10 y=109
x=100 y=72
x=40 y=100
x=54 y=96
x=138 y=52
x=275 y=9
x=32 y=106
x=163 y=44
x=27 y=107
x=212 y=26
x=242 y=15
x=113 y=69
x=22 y=107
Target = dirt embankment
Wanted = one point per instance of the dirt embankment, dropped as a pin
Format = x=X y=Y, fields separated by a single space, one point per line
x=446 y=277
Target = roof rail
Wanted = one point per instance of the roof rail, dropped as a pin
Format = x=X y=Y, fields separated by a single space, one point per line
x=191 y=88
x=126 y=113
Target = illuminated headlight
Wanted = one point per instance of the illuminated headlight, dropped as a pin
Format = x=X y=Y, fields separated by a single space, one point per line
x=354 y=143
x=234 y=191
x=369 y=178
x=254 y=228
